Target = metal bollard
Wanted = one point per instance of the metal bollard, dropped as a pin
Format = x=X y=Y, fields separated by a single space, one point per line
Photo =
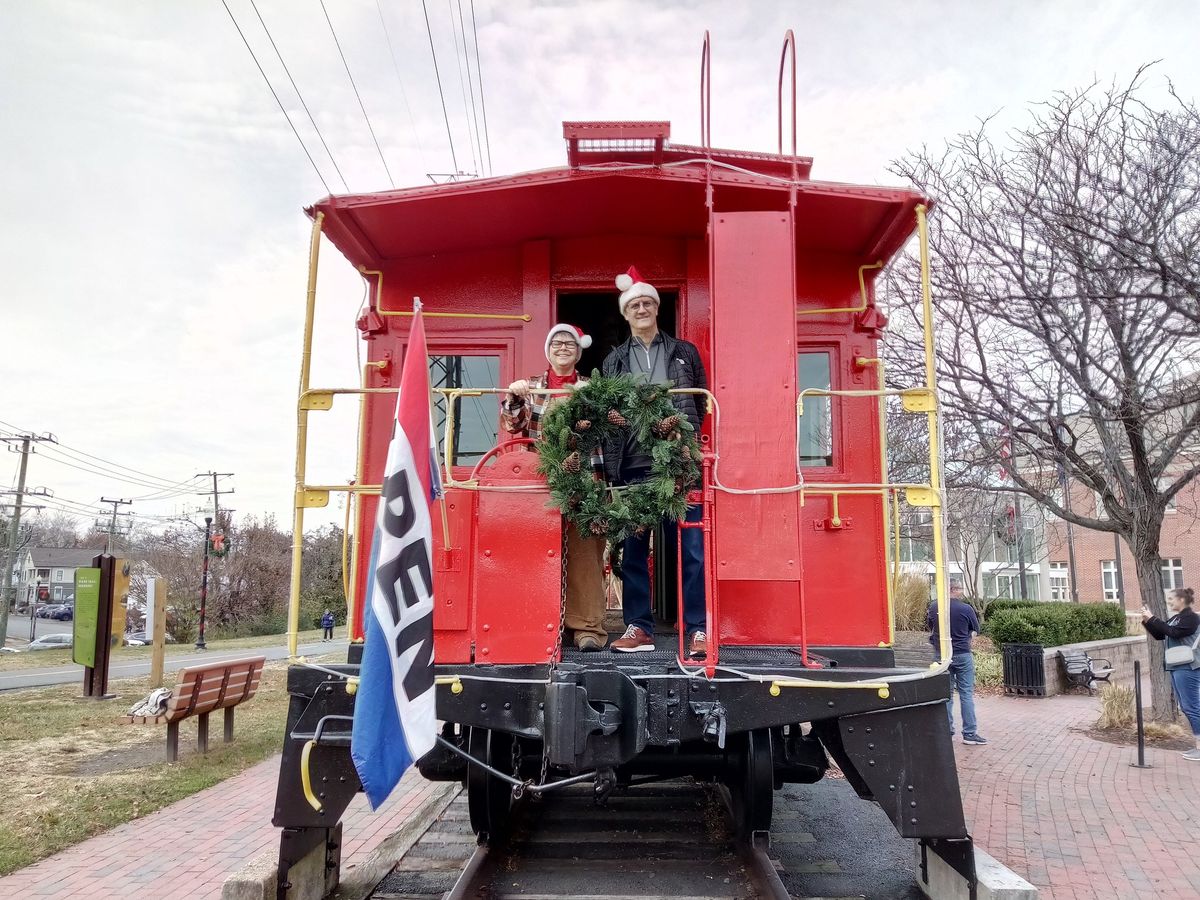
x=1141 y=725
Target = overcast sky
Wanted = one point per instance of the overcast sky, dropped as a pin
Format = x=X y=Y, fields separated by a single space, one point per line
x=153 y=249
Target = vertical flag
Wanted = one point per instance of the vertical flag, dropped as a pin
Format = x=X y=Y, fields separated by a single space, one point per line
x=395 y=718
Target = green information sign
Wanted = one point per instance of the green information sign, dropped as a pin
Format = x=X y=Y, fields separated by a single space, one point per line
x=87 y=616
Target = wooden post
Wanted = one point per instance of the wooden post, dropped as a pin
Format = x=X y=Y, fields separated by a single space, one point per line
x=159 y=638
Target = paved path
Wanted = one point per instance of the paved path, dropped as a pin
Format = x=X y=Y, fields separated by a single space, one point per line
x=1069 y=813
x=189 y=848
x=1063 y=810
x=40 y=677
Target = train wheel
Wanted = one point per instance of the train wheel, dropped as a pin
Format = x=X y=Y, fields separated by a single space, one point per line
x=489 y=799
x=751 y=783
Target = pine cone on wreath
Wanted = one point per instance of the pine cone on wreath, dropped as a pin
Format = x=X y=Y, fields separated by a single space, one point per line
x=583 y=425
x=600 y=526
x=573 y=502
x=617 y=419
x=664 y=427
x=571 y=463
x=572 y=442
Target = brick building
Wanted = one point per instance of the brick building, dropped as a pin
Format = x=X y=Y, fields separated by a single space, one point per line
x=1097 y=571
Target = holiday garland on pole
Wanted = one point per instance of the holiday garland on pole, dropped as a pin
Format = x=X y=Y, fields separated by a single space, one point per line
x=601 y=415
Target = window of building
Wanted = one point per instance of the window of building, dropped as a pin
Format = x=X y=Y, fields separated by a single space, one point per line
x=58 y=594
x=1108 y=579
x=1163 y=484
x=43 y=574
x=1007 y=586
x=1060 y=581
x=58 y=575
x=816 y=421
x=1172 y=573
x=476 y=419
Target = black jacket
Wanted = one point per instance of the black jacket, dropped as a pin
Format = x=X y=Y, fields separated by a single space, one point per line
x=1179 y=630
x=684 y=370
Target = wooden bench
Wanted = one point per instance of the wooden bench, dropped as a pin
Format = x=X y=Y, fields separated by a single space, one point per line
x=201 y=690
x=1081 y=670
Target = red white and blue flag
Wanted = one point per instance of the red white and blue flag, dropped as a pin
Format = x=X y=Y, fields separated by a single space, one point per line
x=395 y=721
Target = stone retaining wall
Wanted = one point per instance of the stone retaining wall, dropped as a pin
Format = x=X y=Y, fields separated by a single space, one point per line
x=1121 y=652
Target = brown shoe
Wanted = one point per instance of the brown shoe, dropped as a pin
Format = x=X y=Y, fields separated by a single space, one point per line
x=588 y=643
x=634 y=640
x=698 y=645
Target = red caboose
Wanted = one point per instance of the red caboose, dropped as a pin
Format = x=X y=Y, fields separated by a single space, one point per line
x=770 y=274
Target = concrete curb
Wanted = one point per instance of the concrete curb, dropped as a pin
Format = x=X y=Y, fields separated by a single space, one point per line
x=996 y=881
x=255 y=880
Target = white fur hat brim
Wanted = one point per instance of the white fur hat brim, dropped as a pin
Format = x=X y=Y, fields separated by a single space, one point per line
x=634 y=291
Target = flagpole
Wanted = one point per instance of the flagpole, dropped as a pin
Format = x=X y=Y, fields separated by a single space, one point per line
x=429 y=388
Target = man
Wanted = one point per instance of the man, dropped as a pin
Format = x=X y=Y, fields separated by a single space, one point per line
x=659 y=358
x=327 y=626
x=964 y=625
x=520 y=414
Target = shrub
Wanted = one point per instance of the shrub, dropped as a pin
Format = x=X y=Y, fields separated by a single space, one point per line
x=1056 y=624
x=989 y=669
x=1116 y=706
x=995 y=606
x=910 y=602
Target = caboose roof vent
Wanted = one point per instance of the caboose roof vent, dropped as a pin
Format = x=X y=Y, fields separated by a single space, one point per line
x=590 y=142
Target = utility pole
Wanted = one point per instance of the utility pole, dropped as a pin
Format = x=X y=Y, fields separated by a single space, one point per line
x=112 y=528
x=216 y=494
x=14 y=529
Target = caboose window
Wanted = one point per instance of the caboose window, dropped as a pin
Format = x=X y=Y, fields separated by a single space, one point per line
x=816 y=425
x=475 y=422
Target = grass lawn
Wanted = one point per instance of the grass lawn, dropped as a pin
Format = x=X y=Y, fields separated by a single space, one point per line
x=71 y=771
x=51 y=658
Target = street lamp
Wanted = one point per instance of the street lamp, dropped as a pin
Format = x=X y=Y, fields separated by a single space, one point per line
x=204 y=585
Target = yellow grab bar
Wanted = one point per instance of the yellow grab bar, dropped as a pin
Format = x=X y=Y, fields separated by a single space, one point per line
x=306 y=777
x=862 y=291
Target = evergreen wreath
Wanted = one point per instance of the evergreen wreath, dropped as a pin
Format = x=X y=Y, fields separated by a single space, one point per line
x=601 y=414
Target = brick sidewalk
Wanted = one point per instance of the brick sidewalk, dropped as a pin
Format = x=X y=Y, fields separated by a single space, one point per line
x=215 y=831
x=1069 y=814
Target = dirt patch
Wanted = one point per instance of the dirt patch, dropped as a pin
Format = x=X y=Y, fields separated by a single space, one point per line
x=1128 y=737
x=121 y=760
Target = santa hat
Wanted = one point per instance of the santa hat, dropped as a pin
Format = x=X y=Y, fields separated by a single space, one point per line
x=631 y=286
x=583 y=340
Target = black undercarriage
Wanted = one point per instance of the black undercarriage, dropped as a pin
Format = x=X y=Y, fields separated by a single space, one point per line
x=630 y=718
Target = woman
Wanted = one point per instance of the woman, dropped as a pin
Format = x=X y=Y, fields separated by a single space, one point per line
x=520 y=414
x=1181 y=630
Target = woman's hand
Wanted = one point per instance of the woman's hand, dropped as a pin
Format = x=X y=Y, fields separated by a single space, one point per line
x=519 y=389
x=1146 y=614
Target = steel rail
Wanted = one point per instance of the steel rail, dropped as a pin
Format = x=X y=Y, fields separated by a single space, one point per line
x=762 y=871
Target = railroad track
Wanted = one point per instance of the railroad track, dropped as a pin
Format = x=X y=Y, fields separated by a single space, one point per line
x=666 y=840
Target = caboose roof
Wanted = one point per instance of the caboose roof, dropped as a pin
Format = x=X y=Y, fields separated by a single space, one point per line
x=617 y=196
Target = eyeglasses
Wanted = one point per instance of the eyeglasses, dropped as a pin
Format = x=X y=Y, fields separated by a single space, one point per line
x=562 y=345
x=641 y=304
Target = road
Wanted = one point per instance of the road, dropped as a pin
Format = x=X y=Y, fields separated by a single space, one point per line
x=126 y=668
x=18 y=629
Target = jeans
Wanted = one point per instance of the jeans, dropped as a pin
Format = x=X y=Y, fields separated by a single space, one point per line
x=962 y=679
x=635 y=573
x=1187 y=689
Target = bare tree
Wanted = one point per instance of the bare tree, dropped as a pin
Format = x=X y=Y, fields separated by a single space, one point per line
x=1065 y=263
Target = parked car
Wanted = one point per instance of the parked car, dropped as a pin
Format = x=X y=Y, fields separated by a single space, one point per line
x=43 y=612
x=9 y=650
x=52 y=642
x=141 y=638
x=63 y=613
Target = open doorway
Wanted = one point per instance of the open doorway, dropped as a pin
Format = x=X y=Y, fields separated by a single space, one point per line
x=597 y=314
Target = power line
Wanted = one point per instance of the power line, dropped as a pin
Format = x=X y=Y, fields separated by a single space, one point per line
x=458 y=60
x=441 y=93
x=296 y=88
x=338 y=44
x=271 y=88
x=400 y=81
x=106 y=473
x=479 y=74
x=75 y=451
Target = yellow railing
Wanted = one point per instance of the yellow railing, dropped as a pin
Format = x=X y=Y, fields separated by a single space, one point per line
x=915 y=400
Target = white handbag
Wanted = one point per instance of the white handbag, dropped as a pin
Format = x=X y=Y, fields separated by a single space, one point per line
x=1184 y=655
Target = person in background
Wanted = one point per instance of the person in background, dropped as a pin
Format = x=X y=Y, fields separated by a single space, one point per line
x=521 y=411
x=964 y=625
x=327 y=624
x=659 y=358
x=1180 y=630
